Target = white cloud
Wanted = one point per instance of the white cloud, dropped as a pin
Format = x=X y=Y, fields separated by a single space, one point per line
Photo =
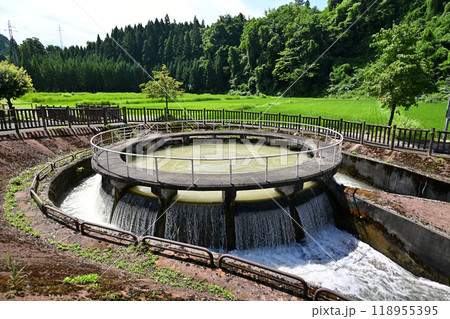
x=82 y=20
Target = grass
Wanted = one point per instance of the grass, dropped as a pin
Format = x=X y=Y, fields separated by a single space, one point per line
x=425 y=116
x=16 y=218
x=139 y=260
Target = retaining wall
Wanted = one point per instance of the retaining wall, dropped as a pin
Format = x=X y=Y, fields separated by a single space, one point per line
x=416 y=247
x=395 y=179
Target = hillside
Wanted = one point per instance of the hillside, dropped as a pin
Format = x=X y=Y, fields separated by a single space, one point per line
x=4 y=45
x=320 y=52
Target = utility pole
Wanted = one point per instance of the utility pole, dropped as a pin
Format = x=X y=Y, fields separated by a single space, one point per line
x=60 y=37
x=12 y=45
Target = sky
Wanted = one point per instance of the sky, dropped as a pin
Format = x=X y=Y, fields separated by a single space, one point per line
x=82 y=20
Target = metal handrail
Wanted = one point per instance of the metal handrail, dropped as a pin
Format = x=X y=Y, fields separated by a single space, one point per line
x=319 y=292
x=60 y=213
x=210 y=257
x=304 y=286
x=127 y=134
x=83 y=231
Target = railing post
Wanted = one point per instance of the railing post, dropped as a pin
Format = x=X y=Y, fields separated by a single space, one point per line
x=192 y=171
x=69 y=117
x=145 y=115
x=231 y=172
x=44 y=118
x=105 y=116
x=430 y=148
x=341 y=122
x=124 y=114
x=16 y=122
x=363 y=129
x=394 y=128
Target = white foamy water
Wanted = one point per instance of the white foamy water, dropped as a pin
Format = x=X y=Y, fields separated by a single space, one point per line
x=330 y=258
x=352 y=182
x=336 y=260
x=88 y=201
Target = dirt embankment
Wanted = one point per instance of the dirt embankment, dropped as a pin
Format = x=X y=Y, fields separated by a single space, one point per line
x=46 y=266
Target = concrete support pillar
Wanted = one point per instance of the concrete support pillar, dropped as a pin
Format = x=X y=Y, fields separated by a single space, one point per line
x=118 y=188
x=164 y=197
x=229 y=197
x=290 y=191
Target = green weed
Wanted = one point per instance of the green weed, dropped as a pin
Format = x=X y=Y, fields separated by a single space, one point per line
x=82 y=280
x=16 y=279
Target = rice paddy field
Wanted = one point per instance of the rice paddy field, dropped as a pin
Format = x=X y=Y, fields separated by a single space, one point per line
x=425 y=116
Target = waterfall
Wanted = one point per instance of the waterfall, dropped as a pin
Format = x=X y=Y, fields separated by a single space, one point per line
x=197 y=224
x=136 y=213
x=263 y=224
x=316 y=213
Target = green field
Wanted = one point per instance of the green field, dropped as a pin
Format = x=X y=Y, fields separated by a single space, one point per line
x=425 y=116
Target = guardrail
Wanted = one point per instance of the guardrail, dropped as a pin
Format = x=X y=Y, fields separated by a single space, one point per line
x=209 y=256
x=322 y=140
x=265 y=272
x=391 y=137
x=105 y=232
x=322 y=293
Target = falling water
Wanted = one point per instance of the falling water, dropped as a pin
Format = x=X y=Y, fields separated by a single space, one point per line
x=136 y=213
x=315 y=214
x=198 y=224
x=263 y=223
x=89 y=201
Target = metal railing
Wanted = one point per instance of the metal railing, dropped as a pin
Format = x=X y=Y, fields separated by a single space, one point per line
x=320 y=141
x=150 y=240
x=361 y=132
x=265 y=272
x=104 y=233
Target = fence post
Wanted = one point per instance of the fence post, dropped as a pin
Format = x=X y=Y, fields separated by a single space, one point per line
x=16 y=123
x=69 y=120
x=279 y=120
x=44 y=118
x=124 y=114
x=319 y=123
x=430 y=148
x=105 y=116
x=204 y=116
x=363 y=129
x=394 y=128
x=341 y=122
x=145 y=115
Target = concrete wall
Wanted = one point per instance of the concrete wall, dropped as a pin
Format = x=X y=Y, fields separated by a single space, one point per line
x=67 y=176
x=416 y=247
x=395 y=179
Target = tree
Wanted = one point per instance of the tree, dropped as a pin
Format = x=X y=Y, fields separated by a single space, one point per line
x=162 y=86
x=14 y=82
x=400 y=74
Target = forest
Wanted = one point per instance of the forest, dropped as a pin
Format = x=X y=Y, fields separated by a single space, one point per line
x=296 y=50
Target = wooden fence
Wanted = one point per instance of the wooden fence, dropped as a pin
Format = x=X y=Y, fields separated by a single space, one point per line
x=391 y=137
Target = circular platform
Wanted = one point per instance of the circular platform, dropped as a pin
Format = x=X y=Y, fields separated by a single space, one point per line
x=138 y=155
